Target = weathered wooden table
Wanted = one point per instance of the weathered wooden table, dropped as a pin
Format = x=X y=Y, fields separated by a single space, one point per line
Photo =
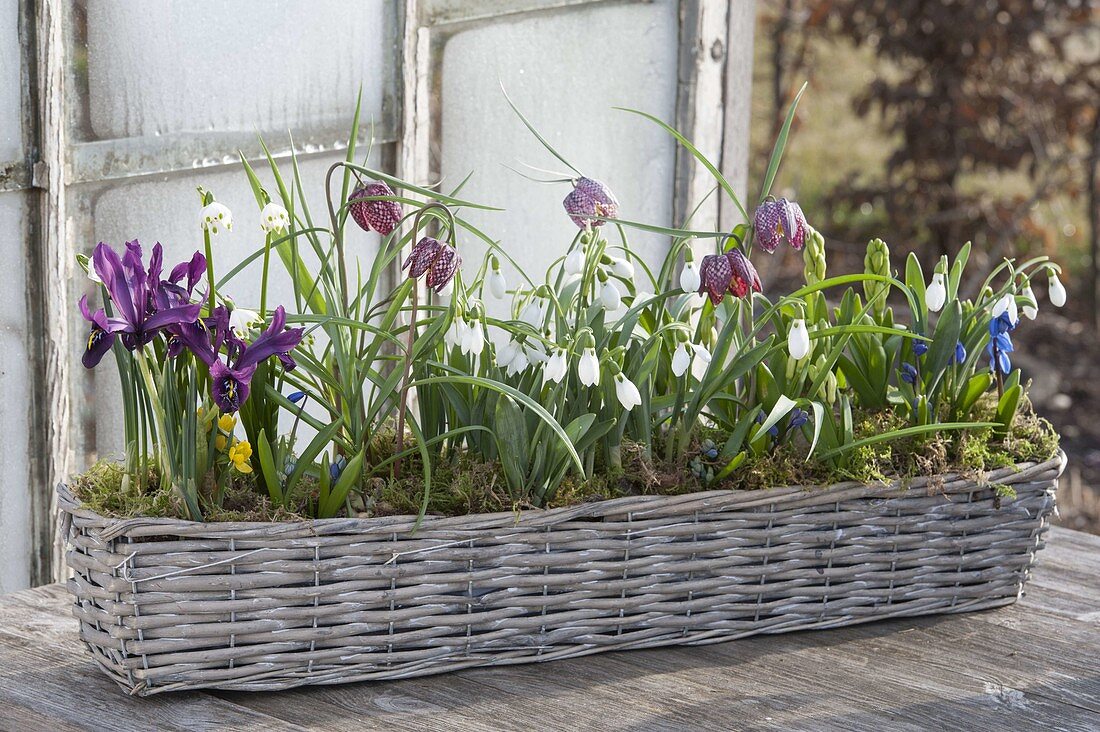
x=1035 y=665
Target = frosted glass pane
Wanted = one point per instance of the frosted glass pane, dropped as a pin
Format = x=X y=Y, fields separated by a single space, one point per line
x=15 y=385
x=166 y=210
x=11 y=87
x=196 y=65
x=569 y=97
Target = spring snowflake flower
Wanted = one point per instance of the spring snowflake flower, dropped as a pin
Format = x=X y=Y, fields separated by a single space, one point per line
x=627 y=392
x=241 y=321
x=1056 y=291
x=214 y=217
x=935 y=297
x=273 y=218
x=588 y=367
x=798 y=340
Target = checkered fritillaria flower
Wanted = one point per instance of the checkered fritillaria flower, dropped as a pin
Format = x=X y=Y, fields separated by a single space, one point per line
x=730 y=272
x=588 y=199
x=380 y=216
x=438 y=260
x=780 y=221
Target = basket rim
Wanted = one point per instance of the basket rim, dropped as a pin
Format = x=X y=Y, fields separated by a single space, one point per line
x=638 y=506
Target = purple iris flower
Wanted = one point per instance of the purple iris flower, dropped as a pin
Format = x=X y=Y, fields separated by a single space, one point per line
x=231 y=379
x=920 y=348
x=909 y=373
x=144 y=305
x=1000 y=343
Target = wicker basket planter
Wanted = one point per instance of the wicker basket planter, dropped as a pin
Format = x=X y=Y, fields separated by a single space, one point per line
x=167 y=605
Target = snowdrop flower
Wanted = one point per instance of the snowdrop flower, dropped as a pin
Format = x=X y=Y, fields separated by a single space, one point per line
x=273 y=218
x=681 y=359
x=519 y=362
x=622 y=268
x=1031 y=307
x=507 y=353
x=555 y=367
x=798 y=339
x=588 y=367
x=534 y=312
x=609 y=295
x=1056 y=291
x=241 y=321
x=689 y=276
x=700 y=360
x=535 y=352
x=1007 y=304
x=214 y=217
x=447 y=288
x=936 y=295
x=574 y=261
x=454 y=335
x=626 y=392
x=473 y=339
x=498 y=286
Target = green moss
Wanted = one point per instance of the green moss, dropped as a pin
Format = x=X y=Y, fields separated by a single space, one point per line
x=462 y=485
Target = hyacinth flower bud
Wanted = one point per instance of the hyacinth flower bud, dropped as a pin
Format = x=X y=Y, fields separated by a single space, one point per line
x=380 y=216
x=1056 y=291
x=798 y=339
x=1031 y=306
x=813 y=258
x=498 y=286
x=935 y=295
x=777 y=222
x=588 y=199
x=689 y=276
x=214 y=217
x=876 y=262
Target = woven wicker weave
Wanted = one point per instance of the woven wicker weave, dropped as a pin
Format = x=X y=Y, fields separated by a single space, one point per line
x=167 y=605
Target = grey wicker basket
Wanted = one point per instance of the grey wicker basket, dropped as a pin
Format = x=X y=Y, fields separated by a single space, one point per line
x=167 y=605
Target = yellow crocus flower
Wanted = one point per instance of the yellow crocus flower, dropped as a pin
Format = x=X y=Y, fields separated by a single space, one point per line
x=226 y=423
x=239 y=455
x=220 y=443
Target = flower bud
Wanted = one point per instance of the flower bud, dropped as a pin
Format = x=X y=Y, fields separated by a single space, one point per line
x=1056 y=291
x=813 y=258
x=1031 y=307
x=798 y=339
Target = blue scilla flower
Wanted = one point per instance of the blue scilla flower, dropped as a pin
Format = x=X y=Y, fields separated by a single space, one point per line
x=920 y=348
x=337 y=467
x=959 y=356
x=1000 y=343
x=773 y=430
x=909 y=373
x=799 y=417
x=296 y=397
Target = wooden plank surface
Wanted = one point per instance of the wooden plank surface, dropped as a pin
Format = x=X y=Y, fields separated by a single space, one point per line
x=1029 y=666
